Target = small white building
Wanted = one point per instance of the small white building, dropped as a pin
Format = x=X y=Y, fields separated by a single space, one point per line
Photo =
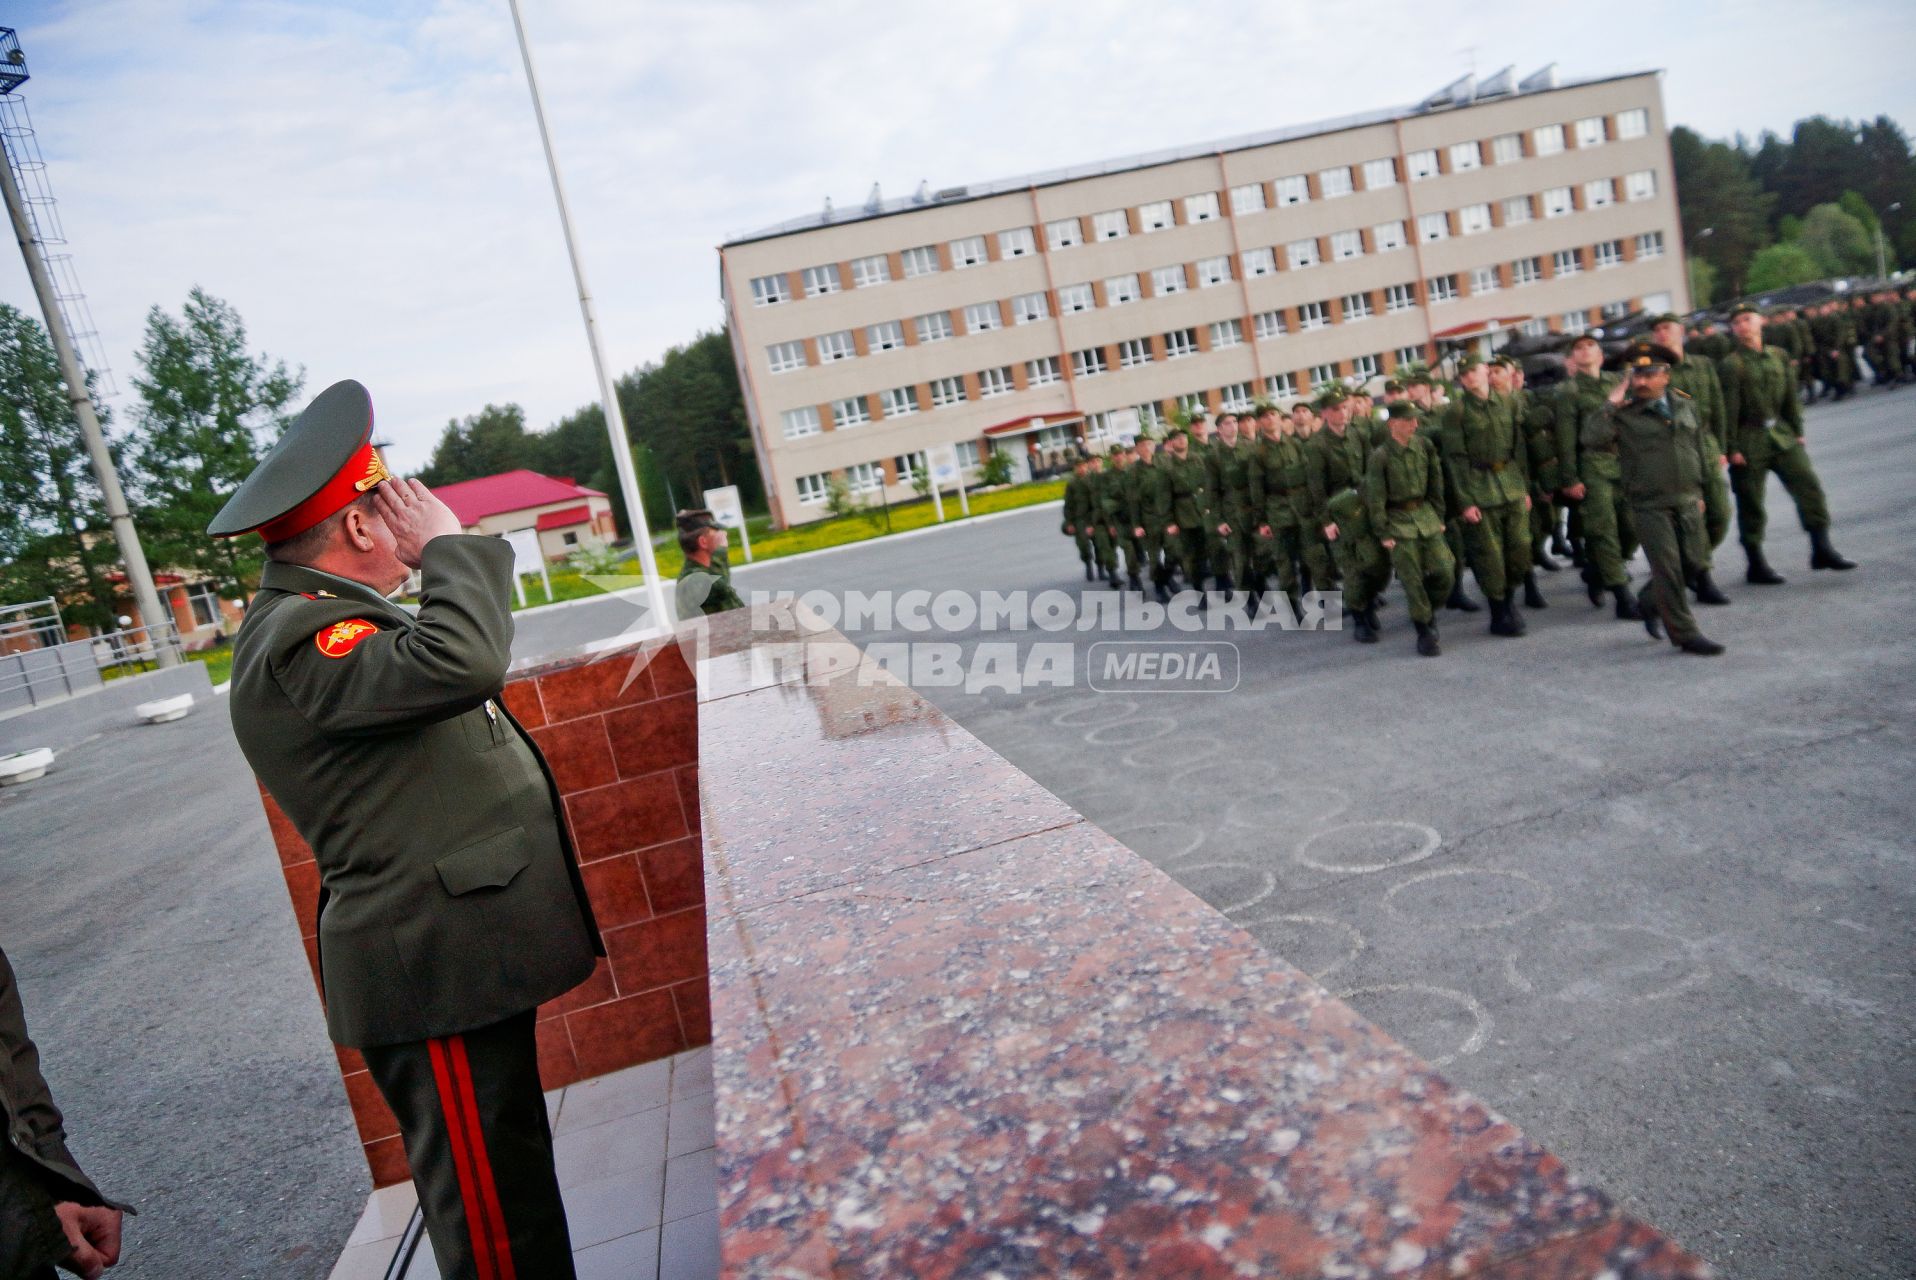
x=568 y=516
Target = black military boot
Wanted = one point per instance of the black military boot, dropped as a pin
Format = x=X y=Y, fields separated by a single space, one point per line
x=1759 y=573
x=1593 y=585
x=1703 y=646
x=1532 y=595
x=1370 y=616
x=1362 y=626
x=1542 y=556
x=1500 y=624
x=1427 y=645
x=1090 y=575
x=1164 y=591
x=1823 y=555
x=1628 y=610
x=1707 y=592
x=1514 y=616
x=1225 y=587
x=1137 y=582
x=1652 y=622
x=1460 y=599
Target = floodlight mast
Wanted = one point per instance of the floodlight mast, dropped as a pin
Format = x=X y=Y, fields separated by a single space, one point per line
x=13 y=74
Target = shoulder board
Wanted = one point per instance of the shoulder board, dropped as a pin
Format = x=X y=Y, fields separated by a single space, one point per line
x=1681 y=394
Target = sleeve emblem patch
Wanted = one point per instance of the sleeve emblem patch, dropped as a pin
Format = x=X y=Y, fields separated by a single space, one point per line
x=338 y=640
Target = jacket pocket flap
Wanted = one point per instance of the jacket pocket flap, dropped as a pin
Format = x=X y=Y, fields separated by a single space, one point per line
x=489 y=864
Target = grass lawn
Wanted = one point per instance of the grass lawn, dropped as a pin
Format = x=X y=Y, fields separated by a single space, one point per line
x=219 y=665
x=834 y=532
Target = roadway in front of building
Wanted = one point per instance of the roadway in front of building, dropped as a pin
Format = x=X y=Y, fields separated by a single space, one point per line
x=1654 y=908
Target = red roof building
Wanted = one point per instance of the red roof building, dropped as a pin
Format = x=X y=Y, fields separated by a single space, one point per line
x=566 y=515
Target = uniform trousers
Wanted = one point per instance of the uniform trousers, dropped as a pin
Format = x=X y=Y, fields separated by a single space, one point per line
x=1751 y=481
x=1674 y=544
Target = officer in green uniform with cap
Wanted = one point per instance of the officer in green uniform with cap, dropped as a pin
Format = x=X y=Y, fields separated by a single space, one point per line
x=1404 y=494
x=1766 y=434
x=1484 y=461
x=1663 y=455
x=1590 y=475
x=450 y=901
x=705 y=585
x=1696 y=378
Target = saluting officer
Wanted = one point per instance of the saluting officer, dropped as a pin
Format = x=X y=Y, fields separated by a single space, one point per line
x=450 y=901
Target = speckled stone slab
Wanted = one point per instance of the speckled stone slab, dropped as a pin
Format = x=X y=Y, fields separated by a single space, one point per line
x=960 y=1032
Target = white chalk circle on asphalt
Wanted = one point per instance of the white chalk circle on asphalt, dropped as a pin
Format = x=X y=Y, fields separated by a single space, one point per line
x=1196 y=754
x=1108 y=736
x=1102 y=709
x=1287 y=807
x=1366 y=841
x=1479 y=1033
x=1298 y=939
x=1266 y=883
x=1469 y=899
x=1147 y=838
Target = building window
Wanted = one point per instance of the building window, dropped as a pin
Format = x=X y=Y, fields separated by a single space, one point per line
x=1098 y=428
x=1346 y=245
x=1433 y=226
x=1226 y=333
x=983 y=317
x=1191 y=401
x=1322 y=375
x=968 y=252
x=850 y=412
x=934 y=326
x=922 y=261
x=996 y=382
x=1506 y=148
x=1516 y=211
x=1485 y=280
x=1201 y=207
x=1526 y=270
x=1366 y=366
x=1465 y=156
x=864 y=477
x=1179 y=343
x=1640 y=185
x=1042 y=372
x=1609 y=254
x=1557 y=202
x=1156 y=216
x=1028 y=308
x=1295 y=189
x=769 y=290
x=1301 y=254
x=1064 y=233
x=1441 y=289
x=1269 y=324
x=1056 y=438
x=833 y=347
x=1110 y=225
x=899 y=402
x=812 y=489
x=1236 y=397
x=1259 y=262
x=1281 y=384
x=1399 y=297
x=1565 y=262
x=1616 y=310
x=1599 y=192
x=1336 y=182
x=1422 y=164
x=1380 y=173
x=1248 y=198
x=1573 y=322
x=1547 y=139
x=887 y=335
x=908 y=465
x=1408 y=355
x=1166 y=280
x=1313 y=315
x=946 y=392
x=1657 y=303
x=1650 y=245
x=968 y=455
x=1474 y=219
x=1119 y=290
x=821 y=280
x=1388 y=236
x=1088 y=363
x=1634 y=123
x=1018 y=242
x=1590 y=131
x=1133 y=352
x=1073 y=298
x=786 y=356
x=867 y=272
x=1356 y=307
x=800 y=423
x=1538 y=328
x=1214 y=271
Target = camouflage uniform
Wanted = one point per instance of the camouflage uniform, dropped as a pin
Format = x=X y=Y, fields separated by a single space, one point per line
x=1404 y=492
x=1484 y=460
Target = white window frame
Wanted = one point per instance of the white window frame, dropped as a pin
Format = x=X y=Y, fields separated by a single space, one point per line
x=1380 y=173
x=1433 y=226
x=1387 y=236
x=886 y=335
x=784 y=357
x=1365 y=368
x=1525 y=271
x=1016 y=242
x=920 y=260
x=1640 y=185
x=1156 y=216
x=820 y=280
x=1590 y=132
x=813 y=489
x=1292 y=189
x=1517 y=211
x=1565 y=262
x=933 y=326
x=907 y=463
x=1558 y=203
x=1615 y=310
x=1270 y=324
x=1547 y=140
x=1346 y=245
x=1201 y=207
x=1634 y=123
x=968 y=251
x=1441 y=289
x=1133 y=352
x=1608 y=254
x=946 y=392
x=1249 y=198
x=1212 y=272
x=1313 y=315
x=1064 y=233
x=1322 y=375
x=1226 y=334
x=1506 y=148
x=1535 y=328
x=969 y=456
x=865 y=477
x=1112 y=224
x=1649 y=244
x=850 y=412
x=1029 y=308
x=1474 y=219
x=1466 y=157
x=983 y=317
x=1408 y=355
x=1180 y=343
x=1658 y=302
x=1299 y=255
x=870 y=271
x=769 y=291
x=1280 y=384
x=1122 y=290
x=1260 y=262
x=898 y=402
x=1169 y=280
x=837 y=346
x=1089 y=363
x=1336 y=181
x=1599 y=193
x=1075 y=298
x=1485 y=280
x=801 y=422
x=1236 y=397
x=1356 y=307
x=993 y=383
x=1399 y=297
x=1422 y=165
x=1043 y=371
x=1574 y=322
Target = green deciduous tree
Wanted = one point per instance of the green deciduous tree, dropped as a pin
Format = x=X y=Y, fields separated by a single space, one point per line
x=482 y=444
x=1715 y=190
x=1839 y=244
x=1702 y=282
x=1780 y=265
x=687 y=409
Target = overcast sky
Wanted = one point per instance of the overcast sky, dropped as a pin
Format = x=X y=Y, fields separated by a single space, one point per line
x=363 y=181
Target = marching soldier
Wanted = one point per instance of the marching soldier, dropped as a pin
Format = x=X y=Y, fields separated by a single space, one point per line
x=1664 y=454
x=1185 y=507
x=1766 y=434
x=1539 y=424
x=1696 y=378
x=1078 y=518
x=1320 y=573
x=1333 y=469
x=1277 y=472
x=1506 y=384
x=1404 y=492
x=1097 y=503
x=1230 y=461
x=1149 y=487
x=1609 y=539
x=1120 y=493
x=1421 y=389
x=1835 y=339
x=1484 y=462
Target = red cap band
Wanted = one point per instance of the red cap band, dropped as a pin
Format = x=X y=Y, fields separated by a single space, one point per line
x=362 y=471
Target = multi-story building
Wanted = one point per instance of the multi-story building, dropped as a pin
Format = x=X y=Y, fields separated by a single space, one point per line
x=1027 y=314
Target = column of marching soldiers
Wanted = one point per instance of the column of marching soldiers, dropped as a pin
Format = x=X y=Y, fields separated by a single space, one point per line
x=1339 y=492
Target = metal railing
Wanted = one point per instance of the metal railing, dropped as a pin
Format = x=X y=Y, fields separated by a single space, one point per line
x=31 y=677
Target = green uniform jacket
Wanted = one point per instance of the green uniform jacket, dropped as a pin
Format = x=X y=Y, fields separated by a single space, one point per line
x=1111 y=500
x=1074 y=506
x=705 y=588
x=1759 y=399
x=1333 y=468
x=1579 y=396
x=1277 y=467
x=450 y=898
x=1696 y=378
x=1538 y=417
x=1231 y=480
x=1483 y=452
x=1661 y=447
x=1404 y=489
x=1192 y=501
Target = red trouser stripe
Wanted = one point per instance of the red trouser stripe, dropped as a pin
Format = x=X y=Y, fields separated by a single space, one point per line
x=457 y=1137
x=482 y=1163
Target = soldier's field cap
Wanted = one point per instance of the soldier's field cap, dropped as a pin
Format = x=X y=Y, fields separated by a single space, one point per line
x=1508 y=361
x=1666 y=318
x=1647 y=357
x=1333 y=394
x=1392 y=384
x=1402 y=409
x=1468 y=363
x=1585 y=336
x=1421 y=378
x=323 y=462
x=1745 y=308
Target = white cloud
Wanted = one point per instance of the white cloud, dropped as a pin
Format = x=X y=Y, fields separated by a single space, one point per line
x=366 y=187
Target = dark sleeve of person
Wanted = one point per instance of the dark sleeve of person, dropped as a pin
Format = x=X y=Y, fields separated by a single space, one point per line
x=1791 y=410
x=35 y=1132
x=451 y=660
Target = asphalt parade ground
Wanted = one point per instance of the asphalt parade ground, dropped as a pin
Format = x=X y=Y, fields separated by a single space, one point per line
x=1656 y=909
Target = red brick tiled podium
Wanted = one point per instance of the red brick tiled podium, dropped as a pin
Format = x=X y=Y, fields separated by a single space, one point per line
x=621 y=736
